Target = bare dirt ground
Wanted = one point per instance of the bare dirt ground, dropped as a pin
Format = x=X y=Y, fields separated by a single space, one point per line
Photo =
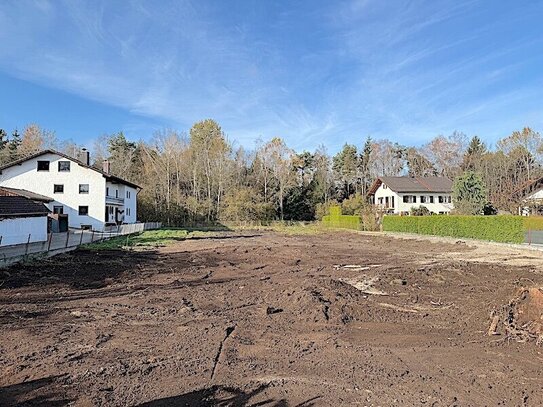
x=265 y=319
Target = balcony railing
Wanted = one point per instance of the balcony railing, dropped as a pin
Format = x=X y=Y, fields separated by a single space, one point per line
x=114 y=200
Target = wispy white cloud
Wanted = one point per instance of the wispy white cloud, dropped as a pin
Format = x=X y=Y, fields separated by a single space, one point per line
x=315 y=72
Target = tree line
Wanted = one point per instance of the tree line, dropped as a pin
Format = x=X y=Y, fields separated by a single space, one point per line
x=204 y=177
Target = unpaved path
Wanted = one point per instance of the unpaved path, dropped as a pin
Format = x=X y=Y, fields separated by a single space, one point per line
x=269 y=320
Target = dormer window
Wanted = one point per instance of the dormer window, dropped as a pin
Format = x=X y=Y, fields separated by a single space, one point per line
x=43 y=165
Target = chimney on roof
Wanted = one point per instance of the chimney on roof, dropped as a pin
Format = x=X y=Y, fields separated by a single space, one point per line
x=84 y=156
x=106 y=167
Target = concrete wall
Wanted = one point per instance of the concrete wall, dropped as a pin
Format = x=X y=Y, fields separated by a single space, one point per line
x=400 y=206
x=16 y=230
x=26 y=176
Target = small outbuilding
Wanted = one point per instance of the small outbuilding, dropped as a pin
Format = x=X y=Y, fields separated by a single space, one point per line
x=22 y=219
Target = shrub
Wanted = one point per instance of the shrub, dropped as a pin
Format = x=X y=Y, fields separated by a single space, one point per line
x=353 y=205
x=244 y=205
x=507 y=229
x=323 y=209
x=337 y=220
x=420 y=211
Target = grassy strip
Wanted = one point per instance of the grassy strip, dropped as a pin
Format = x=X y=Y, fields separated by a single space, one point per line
x=168 y=236
x=149 y=238
x=287 y=228
x=505 y=229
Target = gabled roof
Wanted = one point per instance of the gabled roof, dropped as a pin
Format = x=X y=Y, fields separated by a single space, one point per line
x=5 y=191
x=19 y=206
x=81 y=163
x=528 y=188
x=413 y=184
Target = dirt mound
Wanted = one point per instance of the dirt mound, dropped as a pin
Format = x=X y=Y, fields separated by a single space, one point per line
x=328 y=300
x=522 y=317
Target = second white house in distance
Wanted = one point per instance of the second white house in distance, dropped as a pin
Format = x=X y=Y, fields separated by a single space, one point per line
x=91 y=197
x=400 y=194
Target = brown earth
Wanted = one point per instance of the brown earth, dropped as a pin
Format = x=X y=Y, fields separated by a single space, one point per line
x=269 y=320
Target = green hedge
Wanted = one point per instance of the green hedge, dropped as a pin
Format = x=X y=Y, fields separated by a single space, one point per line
x=533 y=222
x=506 y=229
x=337 y=220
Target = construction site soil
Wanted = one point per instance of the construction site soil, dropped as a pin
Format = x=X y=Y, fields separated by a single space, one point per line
x=265 y=319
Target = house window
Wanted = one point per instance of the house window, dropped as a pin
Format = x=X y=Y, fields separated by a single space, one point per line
x=423 y=199
x=43 y=165
x=58 y=209
x=128 y=194
x=58 y=188
x=83 y=210
x=83 y=188
x=449 y=200
x=128 y=211
x=116 y=193
x=431 y=198
x=409 y=199
x=63 y=166
x=107 y=191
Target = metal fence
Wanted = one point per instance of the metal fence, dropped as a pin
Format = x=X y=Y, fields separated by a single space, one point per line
x=62 y=242
x=533 y=237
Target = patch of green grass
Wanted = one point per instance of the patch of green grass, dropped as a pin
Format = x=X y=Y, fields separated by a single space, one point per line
x=150 y=238
x=288 y=228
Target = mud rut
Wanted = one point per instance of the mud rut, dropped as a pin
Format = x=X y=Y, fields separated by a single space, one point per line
x=268 y=320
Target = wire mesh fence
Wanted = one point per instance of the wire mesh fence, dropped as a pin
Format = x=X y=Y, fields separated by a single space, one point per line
x=533 y=237
x=60 y=242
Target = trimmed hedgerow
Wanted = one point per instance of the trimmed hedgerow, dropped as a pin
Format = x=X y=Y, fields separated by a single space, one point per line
x=533 y=222
x=506 y=229
x=337 y=220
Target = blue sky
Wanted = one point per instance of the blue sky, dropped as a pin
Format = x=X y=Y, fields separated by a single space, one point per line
x=314 y=72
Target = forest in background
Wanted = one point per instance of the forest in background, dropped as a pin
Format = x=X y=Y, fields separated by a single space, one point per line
x=203 y=177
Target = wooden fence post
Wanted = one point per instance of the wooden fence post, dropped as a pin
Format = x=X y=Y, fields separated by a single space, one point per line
x=49 y=243
x=67 y=238
x=81 y=239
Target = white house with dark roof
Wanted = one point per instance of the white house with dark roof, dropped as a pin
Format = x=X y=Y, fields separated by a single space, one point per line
x=400 y=194
x=90 y=196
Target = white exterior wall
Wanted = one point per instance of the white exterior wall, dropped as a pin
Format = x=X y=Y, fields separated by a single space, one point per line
x=131 y=204
x=123 y=197
x=26 y=176
x=399 y=206
x=16 y=230
x=383 y=192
